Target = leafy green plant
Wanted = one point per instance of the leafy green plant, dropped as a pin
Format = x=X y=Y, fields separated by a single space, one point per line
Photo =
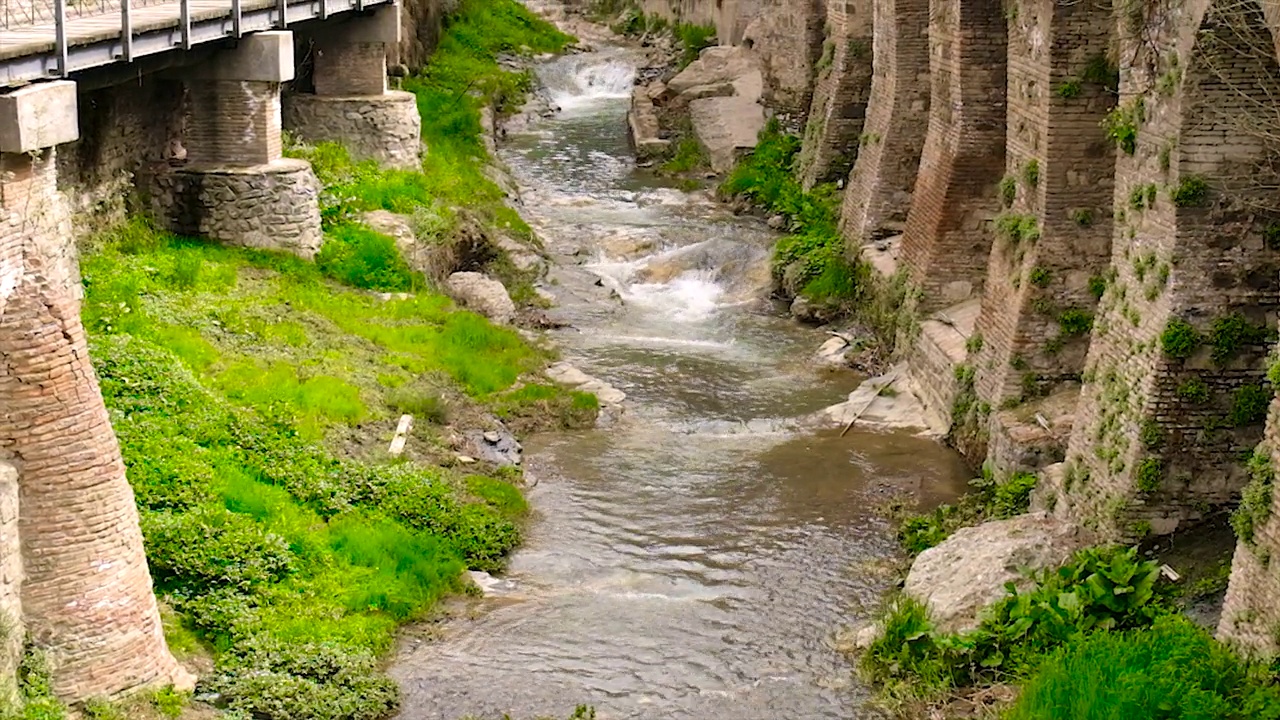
x=693 y=40
x=1074 y=322
x=1082 y=217
x=1193 y=390
x=689 y=156
x=1018 y=228
x=1179 y=339
x=1257 y=497
x=1150 y=475
x=1008 y=190
x=1121 y=124
x=1230 y=333
x=1068 y=89
x=1249 y=405
x=1031 y=172
x=1040 y=277
x=1191 y=191
x=363 y=258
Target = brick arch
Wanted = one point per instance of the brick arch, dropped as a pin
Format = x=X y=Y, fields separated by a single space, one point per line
x=897 y=114
x=946 y=242
x=1157 y=442
x=1059 y=178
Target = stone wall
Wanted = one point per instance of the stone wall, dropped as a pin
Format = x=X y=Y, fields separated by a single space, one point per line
x=385 y=127
x=878 y=195
x=787 y=36
x=272 y=206
x=10 y=585
x=839 y=109
x=122 y=127
x=947 y=237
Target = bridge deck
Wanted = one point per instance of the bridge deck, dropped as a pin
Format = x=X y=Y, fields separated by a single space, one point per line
x=31 y=51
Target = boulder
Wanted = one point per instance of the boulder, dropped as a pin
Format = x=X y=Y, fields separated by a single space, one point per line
x=566 y=374
x=737 y=66
x=479 y=293
x=813 y=313
x=499 y=447
x=967 y=572
x=833 y=351
x=726 y=127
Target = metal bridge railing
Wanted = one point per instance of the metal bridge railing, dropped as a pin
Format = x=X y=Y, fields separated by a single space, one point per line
x=21 y=13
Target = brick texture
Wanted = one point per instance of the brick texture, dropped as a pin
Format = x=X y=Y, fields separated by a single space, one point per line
x=839 y=108
x=947 y=237
x=233 y=123
x=86 y=595
x=879 y=190
x=1155 y=443
x=345 y=69
x=1062 y=168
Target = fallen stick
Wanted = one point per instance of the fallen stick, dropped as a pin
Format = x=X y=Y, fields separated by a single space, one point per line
x=888 y=380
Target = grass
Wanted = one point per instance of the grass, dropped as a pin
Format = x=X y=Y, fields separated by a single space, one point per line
x=991 y=499
x=252 y=394
x=1173 y=670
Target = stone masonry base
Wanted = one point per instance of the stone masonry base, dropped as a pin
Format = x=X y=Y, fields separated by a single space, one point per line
x=273 y=206
x=385 y=127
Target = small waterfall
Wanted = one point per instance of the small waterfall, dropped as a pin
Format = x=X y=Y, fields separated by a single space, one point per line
x=581 y=80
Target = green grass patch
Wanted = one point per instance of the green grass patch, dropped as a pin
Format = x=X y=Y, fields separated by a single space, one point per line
x=293 y=560
x=1173 y=670
x=990 y=500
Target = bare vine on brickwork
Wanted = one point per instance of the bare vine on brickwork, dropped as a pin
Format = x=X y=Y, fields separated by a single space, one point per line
x=1237 y=53
x=1146 y=27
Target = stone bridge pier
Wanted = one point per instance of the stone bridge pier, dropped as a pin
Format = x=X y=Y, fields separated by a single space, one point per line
x=79 y=586
x=233 y=185
x=840 y=94
x=1174 y=396
x=351 y=103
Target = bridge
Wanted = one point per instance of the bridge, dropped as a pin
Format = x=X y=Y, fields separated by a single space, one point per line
x=43 y=39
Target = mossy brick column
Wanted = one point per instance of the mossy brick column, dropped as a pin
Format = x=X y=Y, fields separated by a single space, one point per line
x=86 y=594
x=351 y=104
x=1053 y=234
x=1251 y=610
x=878 y=194
x=1174 y=395
x=839 y=104
x=947 y=237
x=234 y=186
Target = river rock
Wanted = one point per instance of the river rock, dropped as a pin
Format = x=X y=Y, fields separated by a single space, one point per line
x=967 y=572
x=481 y=294
x=643 y=128
x=566 y=374
x=499 y=446
x=833 y=351
x=726 y=127
x=814 y=313
x=721 y=64
x=490 y=585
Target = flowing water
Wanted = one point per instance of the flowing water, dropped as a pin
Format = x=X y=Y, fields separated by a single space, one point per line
x=693 y=558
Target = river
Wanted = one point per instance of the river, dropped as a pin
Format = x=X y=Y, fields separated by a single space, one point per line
x=693 y=558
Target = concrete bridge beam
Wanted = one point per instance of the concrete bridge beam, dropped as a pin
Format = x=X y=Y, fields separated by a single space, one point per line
x=351 y=104
x=81 y=577
x=233 y=185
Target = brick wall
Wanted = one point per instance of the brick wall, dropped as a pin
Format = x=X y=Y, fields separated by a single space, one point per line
x=1060 y=170
x=345 y=69
x=839 y=108
x=1156 y=442
x=947 y=236
x=884 y=174
x=232 y=123
x=86 y=595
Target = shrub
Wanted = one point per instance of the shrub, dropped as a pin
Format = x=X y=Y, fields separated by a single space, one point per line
x=1179 y=339
x=1249 y=405
x=1074 y=322
x=1150 y=475
x=689 y=156
x=693 y=39
x=1192 y=191
x=211 y=548
x=989 y=500
x=1173 y=670
x=1230 y=333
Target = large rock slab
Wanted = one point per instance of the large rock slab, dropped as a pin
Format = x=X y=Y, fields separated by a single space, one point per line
x=726 y=127
x=481 y=294
x=967 y=572
x=722 y=64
